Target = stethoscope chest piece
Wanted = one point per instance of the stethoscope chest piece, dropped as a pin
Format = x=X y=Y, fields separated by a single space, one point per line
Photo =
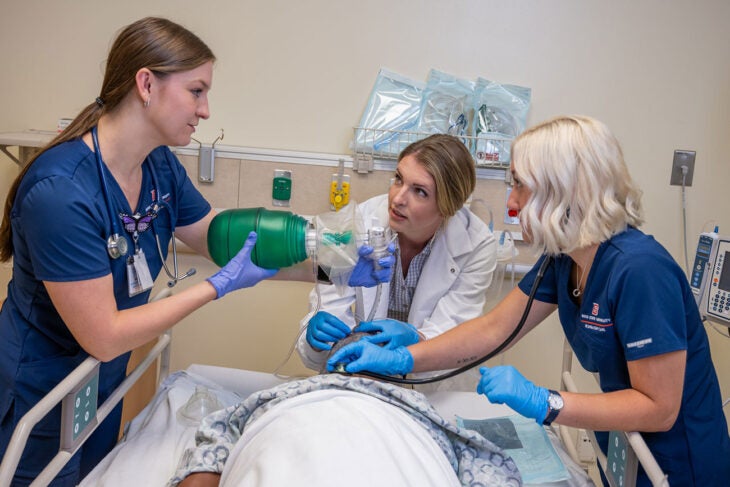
x=117 y=246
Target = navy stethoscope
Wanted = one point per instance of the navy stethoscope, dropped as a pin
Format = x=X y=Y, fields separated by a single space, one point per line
x=116 y=244
x=427 y=380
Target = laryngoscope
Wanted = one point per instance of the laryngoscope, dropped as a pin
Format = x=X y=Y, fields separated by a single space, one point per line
x=427 y=380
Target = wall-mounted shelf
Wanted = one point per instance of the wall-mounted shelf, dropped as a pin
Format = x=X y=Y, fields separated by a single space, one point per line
x=489 y=150
x=28 y=142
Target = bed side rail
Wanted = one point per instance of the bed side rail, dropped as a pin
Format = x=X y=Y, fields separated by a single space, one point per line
x=84 y=374
x=71 y=383
x=629 y=443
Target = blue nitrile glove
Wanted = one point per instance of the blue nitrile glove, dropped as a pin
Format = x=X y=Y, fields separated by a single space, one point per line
x=505 y=385
x=240 y=272
x=390 y=333
x=362 y=355
x=324 y=329
x=366 y=273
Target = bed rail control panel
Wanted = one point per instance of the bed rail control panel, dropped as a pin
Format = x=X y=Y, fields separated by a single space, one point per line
x=78 y=411
x=622 y=463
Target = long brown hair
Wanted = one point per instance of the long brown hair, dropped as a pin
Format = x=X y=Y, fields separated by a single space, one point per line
x=155 y=43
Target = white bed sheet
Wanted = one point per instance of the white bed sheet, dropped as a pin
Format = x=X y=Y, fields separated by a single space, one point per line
x=154 y=441
x=382 y=446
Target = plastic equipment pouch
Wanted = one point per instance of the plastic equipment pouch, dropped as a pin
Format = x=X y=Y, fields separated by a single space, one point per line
x=393 y=106
x=446 y=105
x=500 y=115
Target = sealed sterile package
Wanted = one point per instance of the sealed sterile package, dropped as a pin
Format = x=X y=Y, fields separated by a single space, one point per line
x=337 y=243
x=392 y=108
x=500 y=115
x=446 y=105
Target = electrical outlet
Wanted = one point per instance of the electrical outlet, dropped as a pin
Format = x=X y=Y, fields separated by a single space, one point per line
x=682 y=158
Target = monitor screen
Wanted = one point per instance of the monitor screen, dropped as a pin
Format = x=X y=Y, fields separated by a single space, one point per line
x=724 y=283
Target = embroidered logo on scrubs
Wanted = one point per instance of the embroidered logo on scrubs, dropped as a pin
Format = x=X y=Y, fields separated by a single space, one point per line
x=640 y=343
x=594 y=322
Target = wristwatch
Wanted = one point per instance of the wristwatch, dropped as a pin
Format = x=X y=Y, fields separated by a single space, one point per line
x=555 y=405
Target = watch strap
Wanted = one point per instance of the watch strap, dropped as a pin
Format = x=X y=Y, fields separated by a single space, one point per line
x=552 y=412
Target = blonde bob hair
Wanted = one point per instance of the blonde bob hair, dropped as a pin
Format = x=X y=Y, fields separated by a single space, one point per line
x=581 y=190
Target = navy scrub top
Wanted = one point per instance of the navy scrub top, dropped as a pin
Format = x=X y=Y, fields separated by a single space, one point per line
x=638 y=303
x=60 y=226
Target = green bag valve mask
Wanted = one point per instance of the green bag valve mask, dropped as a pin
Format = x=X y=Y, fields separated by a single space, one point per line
x=331 y=239
x=284 y=239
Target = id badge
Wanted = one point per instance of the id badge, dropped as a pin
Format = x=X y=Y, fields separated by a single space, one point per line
x=139 y=279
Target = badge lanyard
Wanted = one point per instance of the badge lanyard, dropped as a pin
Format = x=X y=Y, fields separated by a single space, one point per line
x=138 y=272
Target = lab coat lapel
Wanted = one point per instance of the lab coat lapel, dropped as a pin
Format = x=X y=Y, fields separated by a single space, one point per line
x=441 y=269
x=438 y=274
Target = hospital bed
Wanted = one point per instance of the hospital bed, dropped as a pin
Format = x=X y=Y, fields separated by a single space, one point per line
x=156 y=438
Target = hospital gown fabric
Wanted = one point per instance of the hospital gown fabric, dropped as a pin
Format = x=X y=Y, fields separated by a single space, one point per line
x=471 y=459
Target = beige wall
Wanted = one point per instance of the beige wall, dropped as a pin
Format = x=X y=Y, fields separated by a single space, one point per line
x=296 y=76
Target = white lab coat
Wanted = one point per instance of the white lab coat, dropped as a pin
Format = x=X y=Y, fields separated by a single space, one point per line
x=452 y=287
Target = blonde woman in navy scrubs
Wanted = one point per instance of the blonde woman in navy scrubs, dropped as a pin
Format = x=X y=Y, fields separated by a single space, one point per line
x=625 y=305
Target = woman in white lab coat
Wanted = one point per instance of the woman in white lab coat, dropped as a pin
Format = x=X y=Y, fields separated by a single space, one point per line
x=445 y=256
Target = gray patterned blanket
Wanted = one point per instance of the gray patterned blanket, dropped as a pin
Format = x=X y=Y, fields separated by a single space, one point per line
x=475 y=460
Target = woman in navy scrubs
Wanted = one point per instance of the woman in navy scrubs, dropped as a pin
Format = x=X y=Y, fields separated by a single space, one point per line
x=73 y=293
x=625 y=305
